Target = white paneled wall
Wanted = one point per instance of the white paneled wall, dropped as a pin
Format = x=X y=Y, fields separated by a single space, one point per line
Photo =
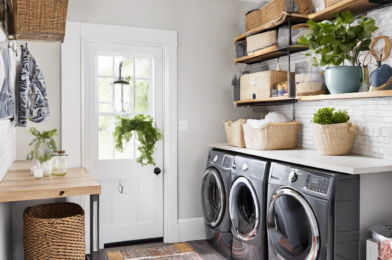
x=372 y=116
x=7 y=146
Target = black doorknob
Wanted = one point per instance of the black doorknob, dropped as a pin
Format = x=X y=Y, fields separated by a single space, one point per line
x=157 y=170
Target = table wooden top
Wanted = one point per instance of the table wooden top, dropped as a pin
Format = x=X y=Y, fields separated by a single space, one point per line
x=18 y=184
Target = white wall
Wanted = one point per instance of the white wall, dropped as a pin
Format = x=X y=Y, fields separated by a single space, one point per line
x=47 y=56
x=206 y=29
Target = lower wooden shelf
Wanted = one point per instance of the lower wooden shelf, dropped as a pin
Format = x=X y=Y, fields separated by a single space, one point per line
x=287 y=100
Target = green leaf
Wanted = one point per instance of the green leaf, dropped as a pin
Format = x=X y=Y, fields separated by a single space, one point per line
x=315 y=27
x=348 y=17
x=302 y=40
x=327 y=116
x=308 y=54
x=371 y=28
x=346 y=47
x=328 y=28
x=327 y=39
x=337 y=61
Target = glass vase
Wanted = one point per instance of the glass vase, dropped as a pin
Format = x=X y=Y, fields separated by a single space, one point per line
x=43 y=157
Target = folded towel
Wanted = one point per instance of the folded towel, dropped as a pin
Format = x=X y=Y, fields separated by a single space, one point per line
x=257 y=124
x=274 y=117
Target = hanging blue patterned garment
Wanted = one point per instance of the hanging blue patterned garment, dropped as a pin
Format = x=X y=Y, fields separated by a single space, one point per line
x=7 y=101
x=33 y=104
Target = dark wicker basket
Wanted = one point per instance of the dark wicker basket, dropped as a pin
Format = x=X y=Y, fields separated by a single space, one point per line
x=54 y=232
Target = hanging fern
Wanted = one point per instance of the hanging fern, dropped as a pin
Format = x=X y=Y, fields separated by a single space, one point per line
x=146 y=133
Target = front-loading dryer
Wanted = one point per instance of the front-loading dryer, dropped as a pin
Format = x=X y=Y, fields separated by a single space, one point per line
x=312 y=214
x=215 y=197
x=247 y=204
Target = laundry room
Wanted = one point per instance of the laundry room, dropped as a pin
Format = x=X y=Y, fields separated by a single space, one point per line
x=198 y=129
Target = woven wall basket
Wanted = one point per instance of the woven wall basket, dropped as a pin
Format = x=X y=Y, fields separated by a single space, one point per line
x=274 y=136
x=261 y=41
x=331 y=2
x=54 y=232
x=235 y=133
x=336 y=139
x=40 y=20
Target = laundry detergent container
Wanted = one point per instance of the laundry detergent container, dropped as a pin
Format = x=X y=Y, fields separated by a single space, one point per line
x=273 y=136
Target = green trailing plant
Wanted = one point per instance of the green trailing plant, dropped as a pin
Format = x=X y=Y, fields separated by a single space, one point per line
x=342 y=39
x=327 y=116
x=40 y=139
x=146 y=133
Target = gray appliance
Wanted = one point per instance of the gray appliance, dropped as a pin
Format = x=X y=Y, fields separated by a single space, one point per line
x=312 y=214
x=247 y=204
x=214 y=195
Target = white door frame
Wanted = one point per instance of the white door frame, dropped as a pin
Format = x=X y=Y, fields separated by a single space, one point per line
x=72 y=102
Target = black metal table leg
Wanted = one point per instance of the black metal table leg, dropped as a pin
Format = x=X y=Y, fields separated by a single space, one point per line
x=94 y=255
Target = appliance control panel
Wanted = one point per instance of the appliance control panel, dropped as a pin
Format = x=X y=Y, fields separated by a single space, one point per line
x=317 y=183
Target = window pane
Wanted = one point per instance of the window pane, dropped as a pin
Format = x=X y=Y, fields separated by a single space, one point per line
x=105 y=107
x=142 y=108
x=105 y=89
x=117 y=61
x=128 y=150
x=105 y=137
x=142 y=68
x=105 y=65
x=128 y=68
x=142 y=91
x=123 y=94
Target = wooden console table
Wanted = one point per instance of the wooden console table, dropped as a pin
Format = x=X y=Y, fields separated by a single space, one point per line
x=18 y=185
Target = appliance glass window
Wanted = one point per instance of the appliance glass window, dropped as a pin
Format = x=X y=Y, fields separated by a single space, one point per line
x=289 y=230
x=246 y=210
x=211 y=197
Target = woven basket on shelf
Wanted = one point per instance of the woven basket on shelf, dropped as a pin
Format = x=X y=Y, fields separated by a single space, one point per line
x=54 y=232
x=40 y=20
x=261 y=41
x=235 y=132
x=336 y=139
x=258 y=85
x=273 y=136
x=328 y=3
x=273 y=10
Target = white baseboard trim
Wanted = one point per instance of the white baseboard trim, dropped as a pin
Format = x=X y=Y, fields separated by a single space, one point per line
x=191 y=229
x=18 y=252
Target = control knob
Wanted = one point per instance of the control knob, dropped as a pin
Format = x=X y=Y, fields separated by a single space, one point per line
x=293 y=176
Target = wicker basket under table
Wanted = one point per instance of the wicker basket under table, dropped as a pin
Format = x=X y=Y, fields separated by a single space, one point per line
x=273 y=136
x=40 y=20
x=54 y=232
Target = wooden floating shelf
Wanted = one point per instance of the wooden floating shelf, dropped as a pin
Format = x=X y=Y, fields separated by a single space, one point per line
x=269 y=53
x=287 y=100
x=357 y=7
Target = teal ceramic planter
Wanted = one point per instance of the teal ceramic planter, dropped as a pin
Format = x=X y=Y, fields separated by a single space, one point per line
x=343 y=79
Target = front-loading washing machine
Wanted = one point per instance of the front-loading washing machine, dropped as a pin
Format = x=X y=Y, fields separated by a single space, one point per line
x=312 y=214
x=247 y=204
x=215 y=197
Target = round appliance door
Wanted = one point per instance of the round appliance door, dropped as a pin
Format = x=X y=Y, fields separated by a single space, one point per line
x=213 y=197
x=244 y=209
x=293 y=233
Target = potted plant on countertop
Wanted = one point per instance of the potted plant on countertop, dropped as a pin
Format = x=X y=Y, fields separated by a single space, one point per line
x=146 y=133
x=333 y=133
x=336 y=45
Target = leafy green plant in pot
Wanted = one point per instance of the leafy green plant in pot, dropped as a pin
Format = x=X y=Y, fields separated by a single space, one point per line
x=146 y=133
x=336 y=45
x=333 y=132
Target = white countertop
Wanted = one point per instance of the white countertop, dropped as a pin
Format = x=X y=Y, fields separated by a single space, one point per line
x=350 y=164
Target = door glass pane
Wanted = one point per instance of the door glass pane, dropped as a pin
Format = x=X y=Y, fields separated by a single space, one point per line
x=105 y=89
x=105 y=137
x=128 y=150
x=246 y=210
x=290 y=230
x=127 y=70
x=142 y=68
x=105 y=65
x=105 y=108
x=211 y=198
x=142 y=91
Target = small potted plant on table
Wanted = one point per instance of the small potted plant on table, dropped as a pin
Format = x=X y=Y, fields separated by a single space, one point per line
x=336 y=45
x=333 y=133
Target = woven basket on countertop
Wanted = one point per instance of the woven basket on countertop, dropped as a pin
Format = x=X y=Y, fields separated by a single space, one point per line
x=235 y=132
x=328 y=3
x=336 y=139
x=261 y=41
x=273 y=136
x=40 y=20
x=54 y=232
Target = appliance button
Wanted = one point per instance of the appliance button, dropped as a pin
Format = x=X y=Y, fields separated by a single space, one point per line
x=293 y=176
x=215 y=158
x=245 y=167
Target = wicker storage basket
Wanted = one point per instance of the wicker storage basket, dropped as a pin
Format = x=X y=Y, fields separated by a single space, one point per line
x=235 y=132
x=273 y=10
x=54 y=232
x=336 y=139
x=273 y=136
x=259 y=85
x=261 y=41
x=40 y=20
x=331 y=2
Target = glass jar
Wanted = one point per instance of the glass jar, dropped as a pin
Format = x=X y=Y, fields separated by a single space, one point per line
x=43 y=157
x=61 y=164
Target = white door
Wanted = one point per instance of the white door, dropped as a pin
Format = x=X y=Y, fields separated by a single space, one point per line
x=131 y=205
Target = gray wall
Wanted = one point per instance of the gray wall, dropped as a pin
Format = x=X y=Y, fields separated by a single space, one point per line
x=206 y=30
